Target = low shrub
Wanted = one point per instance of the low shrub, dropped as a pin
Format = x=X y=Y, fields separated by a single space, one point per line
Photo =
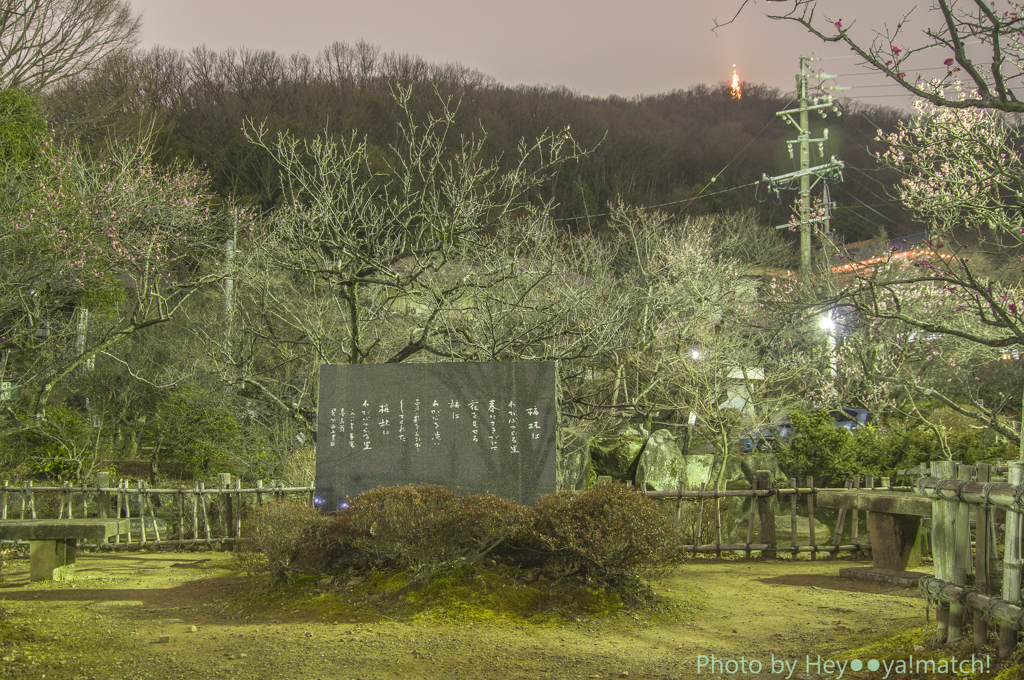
x=605 y=531
x=423 y=527
x=290 y=537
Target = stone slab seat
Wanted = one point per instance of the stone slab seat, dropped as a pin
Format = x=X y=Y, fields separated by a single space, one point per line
x=52 y=542
x=894 y=523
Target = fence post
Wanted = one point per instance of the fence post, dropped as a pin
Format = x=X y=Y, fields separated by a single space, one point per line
x=766 y=513
x=810 y=518
x=837 y=538
x=869 y=483
x=102 y=497
x=961 y=554
x=856 y=554
x=238 y=509
x=792 y=517
x=750 y=516
x=225 y=519
x=718 y=523
x=698 y=525
x=940 y=553
x=31 y=500
x=981 y=559
x=679 y=505
x=140 y=485
x=1011 y=565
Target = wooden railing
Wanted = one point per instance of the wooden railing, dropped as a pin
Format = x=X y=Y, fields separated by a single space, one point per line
x=967 y=583
x=199 y=515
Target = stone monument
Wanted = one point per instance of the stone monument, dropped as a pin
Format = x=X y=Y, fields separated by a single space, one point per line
x=479 y=427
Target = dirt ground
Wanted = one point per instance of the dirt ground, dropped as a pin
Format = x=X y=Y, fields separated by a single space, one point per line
x=177 y=615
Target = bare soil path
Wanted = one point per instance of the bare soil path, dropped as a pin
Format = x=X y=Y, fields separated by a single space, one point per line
x=161 y=615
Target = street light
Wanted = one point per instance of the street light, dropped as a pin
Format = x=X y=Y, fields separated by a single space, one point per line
x=828 y=325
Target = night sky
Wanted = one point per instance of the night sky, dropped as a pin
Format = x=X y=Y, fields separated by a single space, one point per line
x=595 y=47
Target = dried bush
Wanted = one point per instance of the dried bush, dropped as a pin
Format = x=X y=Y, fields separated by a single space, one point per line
x=423 y=527
x=605 y=531
x=289 y=534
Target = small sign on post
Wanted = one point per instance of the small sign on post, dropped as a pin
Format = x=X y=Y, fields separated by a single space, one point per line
x=479 y=427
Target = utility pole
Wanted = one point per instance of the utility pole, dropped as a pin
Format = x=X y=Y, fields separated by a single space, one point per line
x=831 y=169
x=804 y=138
x=230 y=246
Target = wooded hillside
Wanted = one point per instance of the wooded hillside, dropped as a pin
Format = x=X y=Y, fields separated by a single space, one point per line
x=649 y=150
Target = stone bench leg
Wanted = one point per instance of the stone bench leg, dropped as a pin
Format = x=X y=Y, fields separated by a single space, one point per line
x=52 y=560
x=894 y=544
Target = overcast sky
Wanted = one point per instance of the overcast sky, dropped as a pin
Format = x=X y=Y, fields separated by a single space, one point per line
x=596 y=47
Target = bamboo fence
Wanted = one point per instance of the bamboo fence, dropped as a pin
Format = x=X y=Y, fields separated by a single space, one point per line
x=971 y=583
x=766 y=502
x=200 y=515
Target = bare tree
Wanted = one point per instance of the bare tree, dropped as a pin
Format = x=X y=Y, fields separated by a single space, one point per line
x=979 y=41
x=45 y=41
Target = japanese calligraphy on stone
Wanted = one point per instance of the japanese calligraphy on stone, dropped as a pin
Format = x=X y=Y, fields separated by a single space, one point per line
x=481 y=427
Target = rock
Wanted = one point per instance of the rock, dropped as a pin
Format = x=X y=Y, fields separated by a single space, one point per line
x=740 y=470
x=193 y=629
x=697 y=470
x=573 y=457
x=784 y=529
x=612 y=456
x=661 y=465
x=164 y=639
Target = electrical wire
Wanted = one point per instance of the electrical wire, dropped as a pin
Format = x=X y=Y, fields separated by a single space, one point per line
x=701 y=193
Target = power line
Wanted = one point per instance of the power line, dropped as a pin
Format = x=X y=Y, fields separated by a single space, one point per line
x=701 y=193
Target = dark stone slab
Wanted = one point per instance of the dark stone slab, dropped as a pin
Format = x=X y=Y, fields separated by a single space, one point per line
x=893 y=502
x=907 y=579
x=480 y=427
x=894 y=544
x=61 y=529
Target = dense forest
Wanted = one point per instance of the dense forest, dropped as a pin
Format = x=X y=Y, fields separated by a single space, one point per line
x=653 y=150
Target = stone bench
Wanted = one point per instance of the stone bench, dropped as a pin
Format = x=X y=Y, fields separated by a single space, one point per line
x=52 y=542
x=894 y=523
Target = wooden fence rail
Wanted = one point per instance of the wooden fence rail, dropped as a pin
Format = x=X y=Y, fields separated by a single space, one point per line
x=202 y=515
x=764 y=499
x=968 y=584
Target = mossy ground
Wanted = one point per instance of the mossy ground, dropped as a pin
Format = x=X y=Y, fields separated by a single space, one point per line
x=498 y=595
x=917 y=643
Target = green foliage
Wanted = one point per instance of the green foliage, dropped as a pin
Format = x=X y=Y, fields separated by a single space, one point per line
x=197 y=427
x=59 y=447
x=818 y=448
x=831 y=454
x=22 y=126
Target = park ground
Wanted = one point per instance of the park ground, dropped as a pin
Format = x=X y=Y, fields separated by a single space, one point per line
x=160 y=615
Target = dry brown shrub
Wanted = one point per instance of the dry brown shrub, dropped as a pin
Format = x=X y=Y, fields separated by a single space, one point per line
x=423 y=527
x=289 y=535
x=607 y=530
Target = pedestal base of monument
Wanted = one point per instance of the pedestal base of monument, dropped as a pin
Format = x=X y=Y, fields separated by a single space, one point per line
x=907 y=579
x=52 y=560
x=52 y=542
x=894 y=523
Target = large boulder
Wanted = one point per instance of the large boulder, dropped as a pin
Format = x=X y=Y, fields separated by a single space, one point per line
x=660 y=466
x=740 y=471
x=573 y=457
x=696 y=470
x=613 y=456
